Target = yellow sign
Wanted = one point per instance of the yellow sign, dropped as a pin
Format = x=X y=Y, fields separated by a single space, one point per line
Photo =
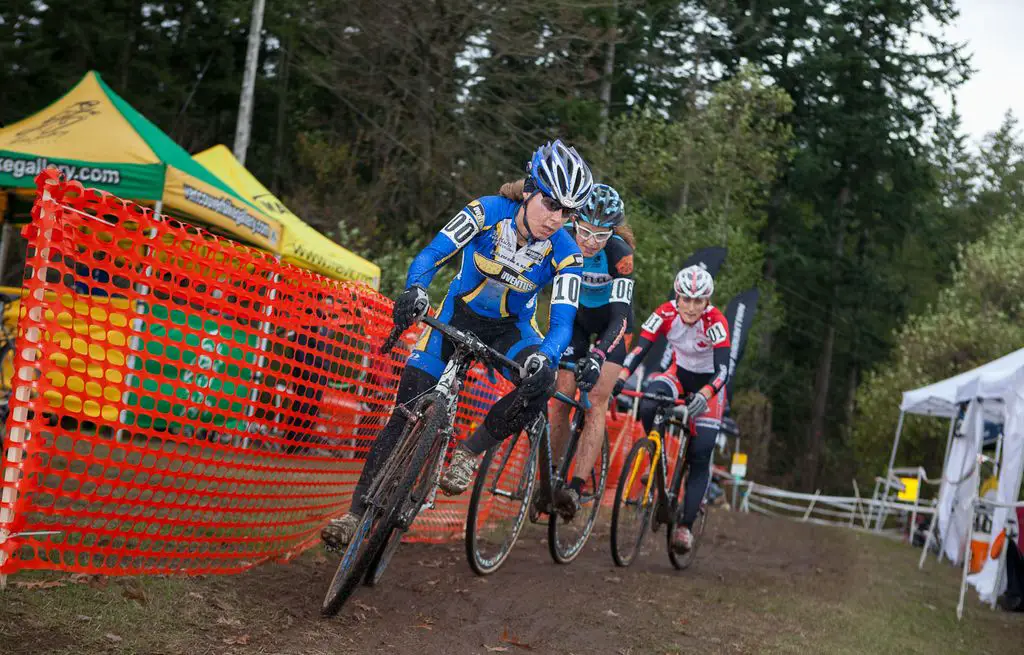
x=739 y=465
x=910 y=488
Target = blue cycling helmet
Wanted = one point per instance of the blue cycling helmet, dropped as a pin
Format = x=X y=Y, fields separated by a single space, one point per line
x=604 y=207
x=560 y=172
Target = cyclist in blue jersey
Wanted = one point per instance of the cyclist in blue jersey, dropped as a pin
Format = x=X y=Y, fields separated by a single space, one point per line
x=605 y=317
x=511 y=247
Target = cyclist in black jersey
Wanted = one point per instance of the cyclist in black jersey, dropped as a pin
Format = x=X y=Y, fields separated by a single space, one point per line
x=603 y=321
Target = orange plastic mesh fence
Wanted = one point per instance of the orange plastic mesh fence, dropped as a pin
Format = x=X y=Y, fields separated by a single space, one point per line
x=183 y=403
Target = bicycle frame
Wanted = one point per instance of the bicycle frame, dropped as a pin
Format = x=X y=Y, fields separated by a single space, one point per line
x=666 y=491
x=448 y=388
x=582 y=405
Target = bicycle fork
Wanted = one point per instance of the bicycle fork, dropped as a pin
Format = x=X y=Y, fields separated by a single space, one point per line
x=448 y=386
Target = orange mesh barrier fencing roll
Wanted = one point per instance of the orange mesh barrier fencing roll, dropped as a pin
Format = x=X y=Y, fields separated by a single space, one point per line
x=182 y=403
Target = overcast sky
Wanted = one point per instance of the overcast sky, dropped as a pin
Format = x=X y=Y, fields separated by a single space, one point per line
x=994 y=32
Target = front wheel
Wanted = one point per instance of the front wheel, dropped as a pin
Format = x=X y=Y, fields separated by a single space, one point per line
x=566 y=540
x=501 y=498
x=430 y=452
x=383 y=557
x=634 y=502
x=391 y=496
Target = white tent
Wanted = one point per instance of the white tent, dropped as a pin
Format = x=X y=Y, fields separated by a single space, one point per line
x=940 y=398
x=1000 y=391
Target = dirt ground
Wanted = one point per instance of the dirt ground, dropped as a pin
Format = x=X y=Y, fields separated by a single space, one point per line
x=759 y=585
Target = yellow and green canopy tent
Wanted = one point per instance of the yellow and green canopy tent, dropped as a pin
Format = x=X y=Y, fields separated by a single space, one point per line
x=301 y=244
x=92 y=135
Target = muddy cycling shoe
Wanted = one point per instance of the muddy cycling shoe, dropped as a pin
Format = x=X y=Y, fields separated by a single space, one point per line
x=337 y=534
x=682 y=540
x=567 y=503
x=460 y=472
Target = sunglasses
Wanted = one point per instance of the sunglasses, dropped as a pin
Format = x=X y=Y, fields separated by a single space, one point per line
x=553 y=205
x=586 y=233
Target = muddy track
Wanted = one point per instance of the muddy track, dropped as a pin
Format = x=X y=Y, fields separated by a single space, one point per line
x=430 y=601
x=759 y=585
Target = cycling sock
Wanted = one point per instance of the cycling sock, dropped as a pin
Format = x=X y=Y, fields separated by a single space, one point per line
x=576 y=484
x=480 y=441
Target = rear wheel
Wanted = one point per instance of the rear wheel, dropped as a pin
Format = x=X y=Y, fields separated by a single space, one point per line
x=501 y=498
x=566 y=540
x=389 y=493
x=684 y=560
x=634 y=502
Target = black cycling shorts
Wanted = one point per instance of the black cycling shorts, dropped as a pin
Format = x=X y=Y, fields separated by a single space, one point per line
x=590 y=323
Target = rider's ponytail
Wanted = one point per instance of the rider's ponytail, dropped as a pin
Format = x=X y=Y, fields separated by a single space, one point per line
x=513 y=190
x=625 y=233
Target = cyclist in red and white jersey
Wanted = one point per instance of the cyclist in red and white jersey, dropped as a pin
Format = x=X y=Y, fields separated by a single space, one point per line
x=698 y=338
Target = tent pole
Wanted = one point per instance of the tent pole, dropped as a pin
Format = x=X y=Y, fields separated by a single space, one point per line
x=1000 y=570
x=888 y=472
x=158 y=207
x=999 y=448
x=949 y=489
x=917 y=504
x=967 y=564
x=928 y=539
x=949 y=442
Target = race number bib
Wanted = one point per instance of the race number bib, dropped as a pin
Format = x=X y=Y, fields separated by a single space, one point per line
x=622 y=290
x=461 y=229
x=716 y=333
x=652 y=323
x=566 y=290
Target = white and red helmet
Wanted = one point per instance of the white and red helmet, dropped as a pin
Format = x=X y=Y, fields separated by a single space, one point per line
x=694 y=282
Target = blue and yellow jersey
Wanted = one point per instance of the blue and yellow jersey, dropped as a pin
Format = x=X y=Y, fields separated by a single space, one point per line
x=497 y=278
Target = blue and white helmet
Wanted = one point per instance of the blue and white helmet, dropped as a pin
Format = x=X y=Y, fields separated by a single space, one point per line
x=604 y=207
x=560 y=172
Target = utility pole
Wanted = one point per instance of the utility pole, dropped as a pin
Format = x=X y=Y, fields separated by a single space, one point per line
x=252 y=55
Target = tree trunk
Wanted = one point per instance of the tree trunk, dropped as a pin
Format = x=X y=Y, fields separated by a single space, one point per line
x=282 y=113
x=609 y=70
x=851 y=400
x=816 y=429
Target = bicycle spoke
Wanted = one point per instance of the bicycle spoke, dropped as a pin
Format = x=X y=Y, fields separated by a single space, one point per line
x=496 y=515
x=634 y=503
x=566 y=540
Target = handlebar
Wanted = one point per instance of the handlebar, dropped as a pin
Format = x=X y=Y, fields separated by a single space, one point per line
x=584 y=401
x=480 y=350
x=656 y=397
x=676 y=407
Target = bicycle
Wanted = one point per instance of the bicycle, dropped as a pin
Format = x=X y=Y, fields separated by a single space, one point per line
x=507 y=475
x=643 y=497
x=408 y=480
